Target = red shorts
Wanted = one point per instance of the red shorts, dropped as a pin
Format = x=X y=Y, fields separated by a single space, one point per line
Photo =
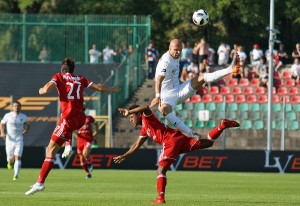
x=66 y=127
x=175 y=145
x=83 y=144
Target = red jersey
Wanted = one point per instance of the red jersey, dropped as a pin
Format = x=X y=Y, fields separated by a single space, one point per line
x=86 y=132
x=70 y=91
x=156 y=130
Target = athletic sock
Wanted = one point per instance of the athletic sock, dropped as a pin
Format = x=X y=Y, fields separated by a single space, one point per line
x=214 y=133
x=84 y=166
x=88 y=160
x=179 y=124
x=214 y=76
x=46 y=168
x=161 y=186
x=17 y=167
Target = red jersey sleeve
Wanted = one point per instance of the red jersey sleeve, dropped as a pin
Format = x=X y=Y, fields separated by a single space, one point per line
x=86 y=82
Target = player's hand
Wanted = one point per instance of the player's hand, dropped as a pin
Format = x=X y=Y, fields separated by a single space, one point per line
x=115 y=89
x=3 y=135
x=67 y=152
x=155 y=101
x=125 y=112
x=119 y=159
x=24 y=131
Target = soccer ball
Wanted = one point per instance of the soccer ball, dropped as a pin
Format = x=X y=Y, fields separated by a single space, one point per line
x=200 y=17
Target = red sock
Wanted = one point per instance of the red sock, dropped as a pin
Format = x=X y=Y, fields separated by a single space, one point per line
x=84 y=166
x=214 y=133
x=161 y=186
x=46 y=167
x=88 y=160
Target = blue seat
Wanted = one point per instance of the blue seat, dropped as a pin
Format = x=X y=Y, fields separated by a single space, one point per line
x=199 y=106
x=232 y=107
x=210 y=124
x=291 y=116
x=211 y=106
x=188 y=106
x=254 y=107
x=188 y=123
x=294 y=125
x=243 y=115
x=231 y=115
x=258 y=125
x=219 y=115
x=198 y=124
x=255 y=116
x=244 y=107
x=221 y=107
x=247 y=124
x=178 y=107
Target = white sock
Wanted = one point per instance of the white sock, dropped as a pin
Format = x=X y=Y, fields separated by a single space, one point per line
x=179 y=124
x=17 y=167
x=214 y=76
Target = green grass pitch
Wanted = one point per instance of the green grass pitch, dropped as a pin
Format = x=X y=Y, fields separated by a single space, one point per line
x=128 y=187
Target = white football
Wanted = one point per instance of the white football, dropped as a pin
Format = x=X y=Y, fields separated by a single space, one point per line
x=200 y=17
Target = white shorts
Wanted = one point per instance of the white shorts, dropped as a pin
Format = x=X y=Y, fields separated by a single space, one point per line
x=13 y=148
x=184 y=92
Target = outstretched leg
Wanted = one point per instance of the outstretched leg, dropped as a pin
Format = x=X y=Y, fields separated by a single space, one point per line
x=161 y=184
x=216 y=132
x=234 y=67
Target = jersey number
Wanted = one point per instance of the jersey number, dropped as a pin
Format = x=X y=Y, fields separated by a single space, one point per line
x=72 y=86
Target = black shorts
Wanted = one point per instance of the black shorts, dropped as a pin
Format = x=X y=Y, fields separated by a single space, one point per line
x=195 y=58
x=202 y=57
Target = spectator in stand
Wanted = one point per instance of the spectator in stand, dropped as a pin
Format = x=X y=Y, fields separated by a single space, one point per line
x=255 y=55
x=296 y=52
x=243 y=57
x=233 y=51
x=203 y=47
x=211 y=57
x=130 y=50
x=45 y=55
x=195 y=54
x=276 y=61
x=190 y=52
x=183 y=58
x=282 y=54
x=264 y=77
x=222 y=54
x=151 y=54
x=94 y=54
x=260 y=67
x=267 y=54
x=189 y=71
x=295 y=70
x=123 y=51
x=108 y=54
x=227 y=54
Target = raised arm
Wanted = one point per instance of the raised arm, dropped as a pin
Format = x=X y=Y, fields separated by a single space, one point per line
x=47 y=88
x=103 y=88
x=158 y=84
x=141 y=109
x=132 y=150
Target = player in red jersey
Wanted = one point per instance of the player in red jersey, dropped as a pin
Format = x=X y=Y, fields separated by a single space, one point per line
x=172 y=140
x=85 y=139
x=70 y=91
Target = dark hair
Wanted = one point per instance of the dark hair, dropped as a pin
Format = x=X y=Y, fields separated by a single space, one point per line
x=17 y=102
x=67 y=65
x=133 y=106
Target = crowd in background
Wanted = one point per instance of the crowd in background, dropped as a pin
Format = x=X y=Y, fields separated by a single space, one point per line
x=202 y=57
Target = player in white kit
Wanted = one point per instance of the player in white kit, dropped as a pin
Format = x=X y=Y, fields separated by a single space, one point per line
x=16 y=125
x=170 y=92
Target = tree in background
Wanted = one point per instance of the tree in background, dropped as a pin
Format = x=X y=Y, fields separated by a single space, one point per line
x=243 y=22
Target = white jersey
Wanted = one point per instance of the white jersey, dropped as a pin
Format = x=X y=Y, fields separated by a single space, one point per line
x=169 y=68
x=14 y=125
